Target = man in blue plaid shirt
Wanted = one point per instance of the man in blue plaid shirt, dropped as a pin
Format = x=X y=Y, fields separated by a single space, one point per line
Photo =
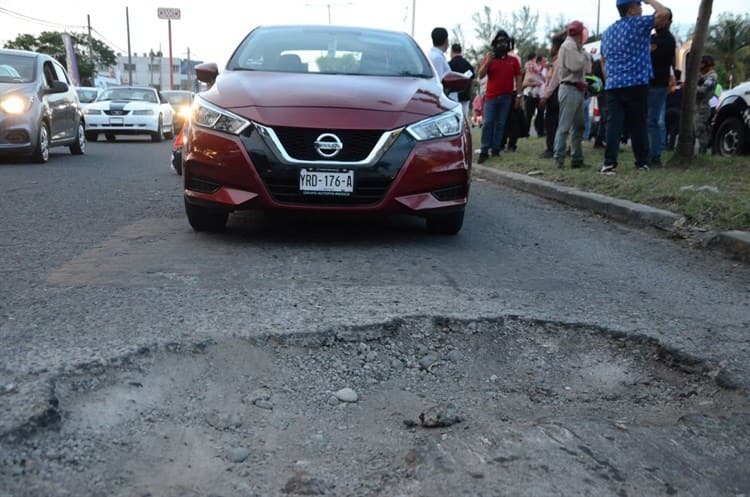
x=626 y=51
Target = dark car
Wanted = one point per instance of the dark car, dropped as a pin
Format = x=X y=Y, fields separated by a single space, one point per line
x=39 y=107
x=327 y=118
x=731 y=124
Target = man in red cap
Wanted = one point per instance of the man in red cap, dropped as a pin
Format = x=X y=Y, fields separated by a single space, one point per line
x=573 y=64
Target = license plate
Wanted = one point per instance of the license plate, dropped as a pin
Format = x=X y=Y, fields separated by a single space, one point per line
x=115 y=120
x=326 y=182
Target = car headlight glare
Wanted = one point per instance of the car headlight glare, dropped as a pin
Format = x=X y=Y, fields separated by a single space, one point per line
x=15 y=104
x=448 y=123
x=210 y=116
x=143 y=112
x=184 y=111
x=92 y=112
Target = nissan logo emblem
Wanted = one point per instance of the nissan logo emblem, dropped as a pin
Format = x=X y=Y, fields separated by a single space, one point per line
x=328 y=145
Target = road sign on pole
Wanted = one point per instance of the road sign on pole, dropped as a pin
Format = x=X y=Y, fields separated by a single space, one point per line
x=169 y=14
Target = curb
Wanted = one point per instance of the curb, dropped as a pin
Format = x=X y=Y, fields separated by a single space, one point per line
x=734 y=243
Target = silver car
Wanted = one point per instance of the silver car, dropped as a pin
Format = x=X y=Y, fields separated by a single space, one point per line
x=39 y=107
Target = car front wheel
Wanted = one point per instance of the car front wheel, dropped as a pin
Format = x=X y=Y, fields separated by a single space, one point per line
x=448 y=223
x=78 y=147
x=730 y=138
x=206 y=218
x=41 y=152
x=158 y=135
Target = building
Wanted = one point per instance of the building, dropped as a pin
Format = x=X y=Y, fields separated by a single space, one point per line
x=149 y=69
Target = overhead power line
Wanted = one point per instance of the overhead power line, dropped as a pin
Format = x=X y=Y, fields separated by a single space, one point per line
x=41 y=22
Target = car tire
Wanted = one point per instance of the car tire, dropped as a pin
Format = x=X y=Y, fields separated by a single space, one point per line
x=78 y=147
x=206 y=218
x=158 y=136
x=92 y=136
x=448 y=223
x=730 y=138
x=110 y=137
x=41 y=152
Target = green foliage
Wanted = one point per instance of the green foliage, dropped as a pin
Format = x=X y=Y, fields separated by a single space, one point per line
x=729 y=43
x=51 y=43
x=344 y=64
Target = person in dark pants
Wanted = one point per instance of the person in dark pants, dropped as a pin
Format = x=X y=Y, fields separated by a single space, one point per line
x=674 y=109
x=601 y=103
x=626 y=48
x=459 y=64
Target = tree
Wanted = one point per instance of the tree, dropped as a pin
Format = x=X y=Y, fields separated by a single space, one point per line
x=51 y=43
x=684 y=150
x=729 y=43
x=522 y=25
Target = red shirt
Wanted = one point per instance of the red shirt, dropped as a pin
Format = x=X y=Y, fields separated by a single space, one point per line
x=501 y=74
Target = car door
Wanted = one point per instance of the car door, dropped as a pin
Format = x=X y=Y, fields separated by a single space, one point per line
x=68 y=104
x=54 y=102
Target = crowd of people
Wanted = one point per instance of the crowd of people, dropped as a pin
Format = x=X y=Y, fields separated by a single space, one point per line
x=632 y=77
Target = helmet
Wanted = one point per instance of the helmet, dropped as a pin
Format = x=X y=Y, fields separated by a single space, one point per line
x=502 y=44
x=594 y=84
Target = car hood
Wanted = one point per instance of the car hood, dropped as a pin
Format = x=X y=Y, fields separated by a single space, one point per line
x=9 y=88
x=322 y=100
x=122 y=105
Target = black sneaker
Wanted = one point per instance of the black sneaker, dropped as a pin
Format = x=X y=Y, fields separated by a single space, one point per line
x=608 y=169
x=578 y=165
x=547 y=154
x=482 y=158
x=656 y=163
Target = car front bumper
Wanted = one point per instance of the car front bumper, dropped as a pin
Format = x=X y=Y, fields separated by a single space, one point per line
x=243 y=172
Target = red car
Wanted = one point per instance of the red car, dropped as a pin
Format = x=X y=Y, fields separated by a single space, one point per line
x=327 y=118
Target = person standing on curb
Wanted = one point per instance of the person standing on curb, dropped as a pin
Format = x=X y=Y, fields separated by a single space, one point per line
x=663 y=47
x=459 y=64
x=549 y=103
x=437 y=52
x=503 y=73
x=626 y=48
x=573 y=64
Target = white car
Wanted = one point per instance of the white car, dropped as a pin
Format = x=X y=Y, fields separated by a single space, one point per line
x=129 y=110
x=87 y=94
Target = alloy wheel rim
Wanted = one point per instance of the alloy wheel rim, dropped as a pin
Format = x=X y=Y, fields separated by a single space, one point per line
x=44 y=143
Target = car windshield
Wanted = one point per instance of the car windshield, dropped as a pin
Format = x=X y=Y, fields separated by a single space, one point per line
x=86 y=95
x=177 y=99
x=137 y=94
x=16 y=69
x=330 y=50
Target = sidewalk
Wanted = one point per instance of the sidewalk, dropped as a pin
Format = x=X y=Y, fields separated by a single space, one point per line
x=735 y=244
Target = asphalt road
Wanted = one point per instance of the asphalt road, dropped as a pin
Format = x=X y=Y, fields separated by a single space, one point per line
x=97 y=261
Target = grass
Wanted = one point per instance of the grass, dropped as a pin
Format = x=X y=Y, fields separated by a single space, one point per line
x=729 y=209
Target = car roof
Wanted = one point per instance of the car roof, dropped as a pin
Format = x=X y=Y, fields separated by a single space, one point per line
x=22 y=53
x=328 y=27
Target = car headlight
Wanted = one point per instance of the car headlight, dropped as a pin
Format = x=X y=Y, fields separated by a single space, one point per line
x=144 y=112
x=92 y=112
x=15 y=104
x=446 y=124
x=210 y=116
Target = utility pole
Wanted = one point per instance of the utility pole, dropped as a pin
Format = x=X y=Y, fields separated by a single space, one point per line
x=91 y=50
x=189 y=71
x=169 y=14
x=598 y=14
x=130 y=57
x=413 y=16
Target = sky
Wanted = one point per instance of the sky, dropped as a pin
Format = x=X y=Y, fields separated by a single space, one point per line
x=211 y=29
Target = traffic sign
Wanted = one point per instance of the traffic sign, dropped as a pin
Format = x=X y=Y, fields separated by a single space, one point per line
x=168 y=13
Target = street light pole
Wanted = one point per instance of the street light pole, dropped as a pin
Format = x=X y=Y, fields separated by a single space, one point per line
x=598 y=13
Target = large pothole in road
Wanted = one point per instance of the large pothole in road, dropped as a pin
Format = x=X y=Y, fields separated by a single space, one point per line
x=521 y=409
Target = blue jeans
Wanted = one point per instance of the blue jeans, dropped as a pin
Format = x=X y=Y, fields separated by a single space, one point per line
x=657 y=129
x=495 y=116
x=627 y=106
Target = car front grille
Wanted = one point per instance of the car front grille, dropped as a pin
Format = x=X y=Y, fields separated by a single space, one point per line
x=299 y=143
x=371 y=182
x=117 y=112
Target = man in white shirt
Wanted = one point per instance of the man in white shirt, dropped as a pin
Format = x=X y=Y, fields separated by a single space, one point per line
x=437 y=52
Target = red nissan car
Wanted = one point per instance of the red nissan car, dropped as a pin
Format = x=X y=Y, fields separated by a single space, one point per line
x=327 y=118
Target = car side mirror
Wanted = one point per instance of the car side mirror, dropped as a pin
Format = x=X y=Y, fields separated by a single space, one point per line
x=207 y=72
x=455 y=81
x=59 y=87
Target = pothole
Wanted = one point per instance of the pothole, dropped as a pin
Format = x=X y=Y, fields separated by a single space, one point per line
x=527 y=408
